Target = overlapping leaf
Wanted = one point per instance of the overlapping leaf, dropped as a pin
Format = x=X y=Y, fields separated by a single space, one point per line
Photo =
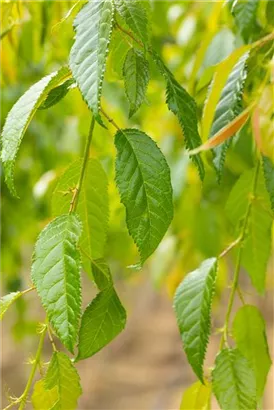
x=244 y=12
x=102 y=321
x=196 y=397
x=56 y=275
x=92 y=206
x=93 y=26
x=135 y=16
x=268 y=168
x=21 y=115
x=184 y=107
x=234 y=383
x=56 y=94
x=229 y=106
x=143 y=179
x=136 y=75
x=42 y=398
x=6 y=301
x=249 y=333
x=61 y=374
x=192 y=304
x=257 y=244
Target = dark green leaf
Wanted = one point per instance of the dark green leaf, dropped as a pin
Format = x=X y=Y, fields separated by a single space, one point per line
x=268 y=168
x=136 y=75
x=143 y=179
x=56 y=95
x=192 y=304
x=102 y=321
x=244 y=12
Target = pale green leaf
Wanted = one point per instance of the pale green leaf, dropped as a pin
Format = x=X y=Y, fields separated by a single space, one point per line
x=268 y=168
x=62 y=374
x=136 y=76
x=184 y=107
x=234 y=382
x=92 y=206
x=119 y=48
x=93 y=26
x=135 y=16
x=196 y=397
x=192 y=304
x=102 y=321
x=249 y=333
x=43 y=399
x=244 y=12
x=19 y=118
x=215 y=90
x=143 y=179
x=257 y=243
x=56 y=94
x=101 y=273
x=56 y=275
x=6 y=301
x=228 y=107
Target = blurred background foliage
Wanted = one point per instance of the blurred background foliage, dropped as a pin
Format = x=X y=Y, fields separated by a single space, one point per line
x=193 y=37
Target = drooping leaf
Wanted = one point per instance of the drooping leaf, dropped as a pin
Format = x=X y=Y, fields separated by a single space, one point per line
x=215 y=90
x=93 y=26
x=257 y=243
x=19 y=118
x=92 y=206
x=143 y=180
x=102 y=321
x=228 y=108
x=56 y=94
x=244 y=13
x=268 y=168
x=101 y=274
x=62 y=374
x=196 y=397
x=234 y=383
x=249 y=333
x=192 y=304
x=136 y=76
x=135 y=16
x=6 y=301
x=184 y=107
x=56 y=275
x=42 y=398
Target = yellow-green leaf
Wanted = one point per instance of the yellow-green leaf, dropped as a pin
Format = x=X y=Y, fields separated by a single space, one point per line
x=196 y=397
x=43 y=399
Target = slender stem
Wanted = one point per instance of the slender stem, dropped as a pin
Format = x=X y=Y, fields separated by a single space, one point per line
x=23 y=292
x=110 y=120
x=231 y=246
x=74 y=201
x=50 y=337
x=234 y=287
x=25 y=394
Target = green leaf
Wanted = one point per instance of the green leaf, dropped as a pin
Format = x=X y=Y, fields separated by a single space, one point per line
x=6 y=301
x=92 y=207
x=143 y=179
x=102 y=321
x=229 y=106
x=101 y=274
x=135 y=16
x=119 y=48
x=257 y=244
x=56 y=275
x=215 y=90
x=196 y=397
x=62 y=374
x=244 y=13
x=19 y=118
x=192 y=304
x=42 y=398
x=93 y=26
x=250 y=336
x=234 y=382
x=56 y=95
x=268 y=168
x=136 y=75
x=184 y=107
